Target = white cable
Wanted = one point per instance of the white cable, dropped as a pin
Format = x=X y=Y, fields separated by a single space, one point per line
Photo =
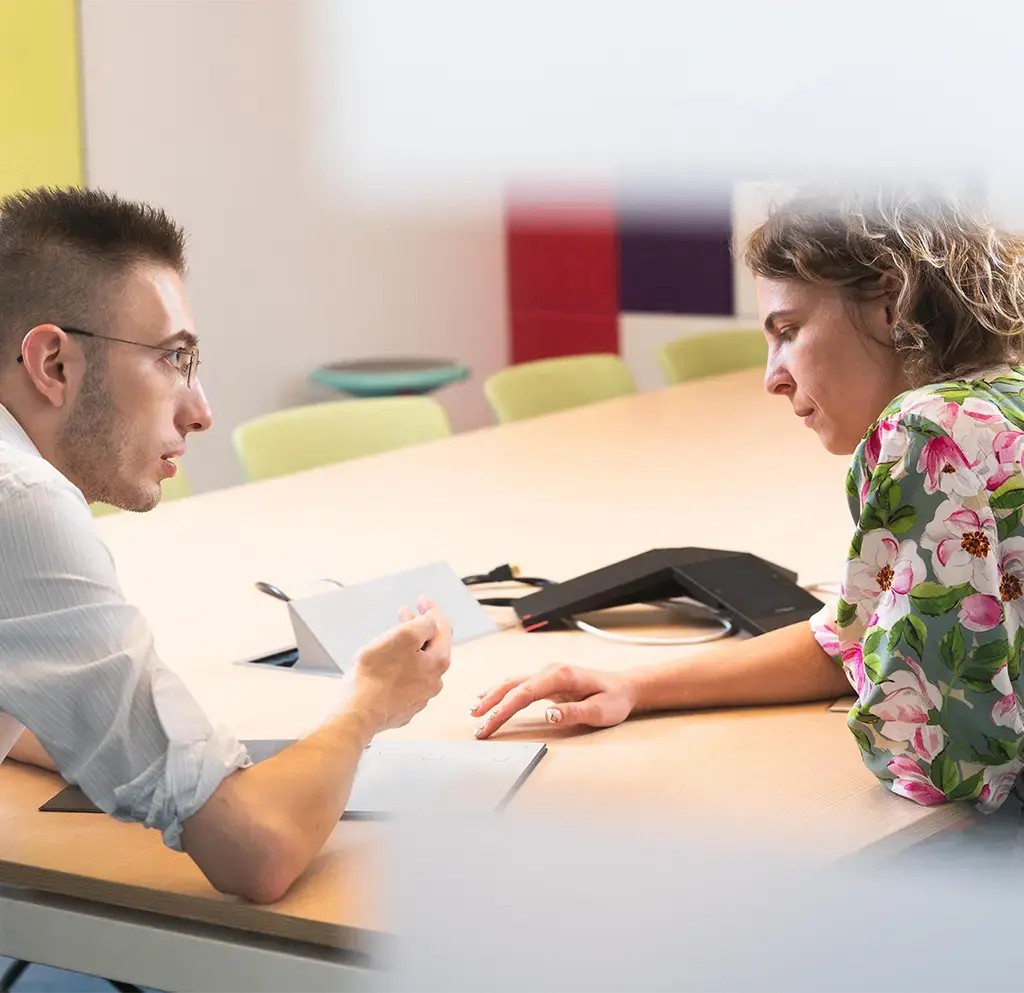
x=682 y=602
x=825 y=586
x=627 y=639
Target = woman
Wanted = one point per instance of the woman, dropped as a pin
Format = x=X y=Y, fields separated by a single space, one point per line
x=894 y=324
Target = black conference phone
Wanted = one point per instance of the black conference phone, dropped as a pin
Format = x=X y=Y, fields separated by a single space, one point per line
x=756 y=595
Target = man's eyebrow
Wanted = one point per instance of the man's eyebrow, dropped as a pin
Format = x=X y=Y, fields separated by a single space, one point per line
x=184 y=338
x=769 y=321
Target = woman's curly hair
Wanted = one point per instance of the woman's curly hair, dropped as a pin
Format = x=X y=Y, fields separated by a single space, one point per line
x=957 y=280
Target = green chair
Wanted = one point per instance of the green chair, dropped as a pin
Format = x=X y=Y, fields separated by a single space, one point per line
x=701 y=355
x=298 y=438
x=546 y=386
x=175 y=488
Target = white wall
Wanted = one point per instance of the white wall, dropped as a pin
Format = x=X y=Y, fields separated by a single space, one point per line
x=210 y=108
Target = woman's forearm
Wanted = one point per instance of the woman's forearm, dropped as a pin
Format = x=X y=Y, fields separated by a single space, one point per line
x=783 y=666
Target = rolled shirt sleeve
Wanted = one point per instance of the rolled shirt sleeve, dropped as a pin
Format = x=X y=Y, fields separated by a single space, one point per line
x=79 y=669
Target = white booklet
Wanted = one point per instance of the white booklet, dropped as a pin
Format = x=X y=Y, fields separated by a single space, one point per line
x=397 y=777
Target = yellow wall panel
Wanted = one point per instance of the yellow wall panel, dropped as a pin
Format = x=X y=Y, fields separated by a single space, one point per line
x=40 y=110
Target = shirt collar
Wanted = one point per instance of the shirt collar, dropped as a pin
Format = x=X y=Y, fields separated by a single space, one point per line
x=13 y=434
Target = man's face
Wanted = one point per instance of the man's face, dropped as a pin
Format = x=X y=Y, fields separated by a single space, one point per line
x=133 y=409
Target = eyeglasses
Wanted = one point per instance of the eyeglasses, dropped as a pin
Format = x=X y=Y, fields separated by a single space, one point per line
x=184 y=358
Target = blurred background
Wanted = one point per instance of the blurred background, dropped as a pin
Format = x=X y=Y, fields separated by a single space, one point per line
x=470 y=184
x=462 y=186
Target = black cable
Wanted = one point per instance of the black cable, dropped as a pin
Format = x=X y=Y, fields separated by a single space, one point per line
x=506 y=573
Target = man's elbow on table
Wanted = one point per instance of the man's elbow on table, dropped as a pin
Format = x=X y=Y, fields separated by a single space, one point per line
x=242 y=851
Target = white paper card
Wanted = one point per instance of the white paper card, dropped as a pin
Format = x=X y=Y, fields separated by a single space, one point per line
x=330 y=628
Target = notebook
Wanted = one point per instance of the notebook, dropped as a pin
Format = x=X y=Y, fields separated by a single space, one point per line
x=398 y=778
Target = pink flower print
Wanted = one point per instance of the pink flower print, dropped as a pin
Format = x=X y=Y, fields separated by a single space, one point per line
x=879 y=581
x=912 y=783
x=1007 y=448
x=980 y=612
x=853 y=663
x=998 y=781
x=904 y=710
x=1011 y=582
x=827 y=636
x=963 y=542
x=886 y=443
x=947 y=468
x=1005 y=711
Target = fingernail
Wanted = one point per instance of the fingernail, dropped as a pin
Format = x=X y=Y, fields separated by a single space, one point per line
x=479 y=731
x=473 y=710
x=554 y=715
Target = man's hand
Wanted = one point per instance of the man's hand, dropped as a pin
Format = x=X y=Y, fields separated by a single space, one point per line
x=580 y=696
x=396 y=675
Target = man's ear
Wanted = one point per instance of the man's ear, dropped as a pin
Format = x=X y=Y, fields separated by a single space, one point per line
x=50 y=360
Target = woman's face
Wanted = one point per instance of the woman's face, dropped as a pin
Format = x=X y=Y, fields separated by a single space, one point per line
x=833 y=359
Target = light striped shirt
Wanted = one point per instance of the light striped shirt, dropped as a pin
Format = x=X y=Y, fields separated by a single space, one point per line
x=77 y=663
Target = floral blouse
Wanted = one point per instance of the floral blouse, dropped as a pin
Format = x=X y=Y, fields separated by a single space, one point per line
x=930 y=624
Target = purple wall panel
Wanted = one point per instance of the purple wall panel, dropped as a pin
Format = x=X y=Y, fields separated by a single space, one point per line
x=676 y=265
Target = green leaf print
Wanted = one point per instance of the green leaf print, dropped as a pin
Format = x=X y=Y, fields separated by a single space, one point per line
x=896 y=634
x=903 y=520
x=1009 y=496
x=880 y=478
x=870 y=519
x=852 y=490
x=845 y=612
x=986 y=661
x=863 y=739
x=873 y=640
x=944 y=773
x=873 y=668
x=889 y=496
x=999 y=752
x=954 y=393
x=977 y=685
x=917 y=634
x=863 y=715
x=855 y=545
x=934 y=599
x=952 y=649
x=969 y=789
x=1008 y=525
x=1013 y=665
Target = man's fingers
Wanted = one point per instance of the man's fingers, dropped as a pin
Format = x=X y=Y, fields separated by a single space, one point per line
x=423 y=627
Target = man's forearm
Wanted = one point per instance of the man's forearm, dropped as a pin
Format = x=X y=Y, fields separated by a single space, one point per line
x=783 y=666
x=264 y=824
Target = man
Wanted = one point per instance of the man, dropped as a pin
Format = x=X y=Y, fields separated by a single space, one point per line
x=99 y=389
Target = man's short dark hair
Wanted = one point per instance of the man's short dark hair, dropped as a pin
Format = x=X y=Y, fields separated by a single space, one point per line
x=63 y=252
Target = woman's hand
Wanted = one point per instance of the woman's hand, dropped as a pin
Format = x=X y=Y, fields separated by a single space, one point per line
x=579 y=696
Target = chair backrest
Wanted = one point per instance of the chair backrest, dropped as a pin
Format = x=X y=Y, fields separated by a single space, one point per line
x=531 y=389
x=176 y=488
x=299 y=438
x=701 y=355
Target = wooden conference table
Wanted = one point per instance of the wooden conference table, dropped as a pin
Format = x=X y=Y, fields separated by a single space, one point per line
x=716 y=463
